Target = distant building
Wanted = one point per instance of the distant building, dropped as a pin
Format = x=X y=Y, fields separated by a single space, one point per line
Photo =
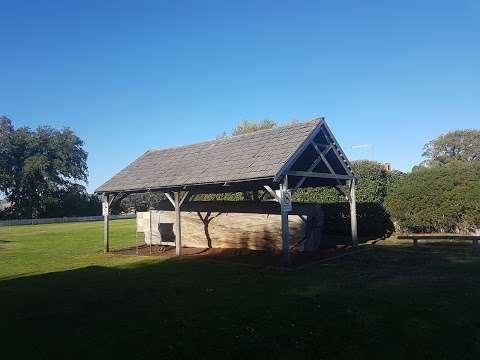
x=4 y=204
x=388 y=166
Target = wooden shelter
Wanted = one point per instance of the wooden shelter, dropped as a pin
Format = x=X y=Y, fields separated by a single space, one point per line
x=277 y=162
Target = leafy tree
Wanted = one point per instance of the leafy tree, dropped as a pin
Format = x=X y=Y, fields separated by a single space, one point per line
x=438 y=199
x=247 y=127
x=456 y=145
x=37 y=166
x=72 y=201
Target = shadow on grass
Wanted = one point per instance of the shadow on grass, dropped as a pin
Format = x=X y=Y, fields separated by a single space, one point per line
x=182 y=308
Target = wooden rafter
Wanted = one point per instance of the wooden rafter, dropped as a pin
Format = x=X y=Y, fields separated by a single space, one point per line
x=338 y=150
x=319 y=175
x=272 y=193
x=315 y=162
x=329 y=167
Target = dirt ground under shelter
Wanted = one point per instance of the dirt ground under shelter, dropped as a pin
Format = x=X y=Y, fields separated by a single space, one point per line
x=239 y=256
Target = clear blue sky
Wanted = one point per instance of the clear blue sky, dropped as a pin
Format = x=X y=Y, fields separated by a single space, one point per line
x=132 y=75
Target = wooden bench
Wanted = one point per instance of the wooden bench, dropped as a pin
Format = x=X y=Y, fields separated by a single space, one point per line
x=415 y=238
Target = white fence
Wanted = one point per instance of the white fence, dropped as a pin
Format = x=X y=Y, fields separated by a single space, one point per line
x=62 y=220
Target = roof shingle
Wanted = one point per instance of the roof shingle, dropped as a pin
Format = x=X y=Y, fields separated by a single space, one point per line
x=246 y=157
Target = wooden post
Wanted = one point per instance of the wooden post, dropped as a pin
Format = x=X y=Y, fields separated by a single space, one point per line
x=150 y=223
x=284 y=215
x=105 y=212
x=178 y=226
x=353 y=214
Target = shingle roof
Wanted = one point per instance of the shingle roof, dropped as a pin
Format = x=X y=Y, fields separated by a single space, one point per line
x=258 y=155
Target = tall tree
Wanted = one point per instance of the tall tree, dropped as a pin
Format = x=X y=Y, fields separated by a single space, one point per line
x=246 y=126
x=6 y=131
x=463 y=145
x=36 y=166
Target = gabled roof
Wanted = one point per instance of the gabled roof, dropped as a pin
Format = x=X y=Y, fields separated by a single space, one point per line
x=260 y=157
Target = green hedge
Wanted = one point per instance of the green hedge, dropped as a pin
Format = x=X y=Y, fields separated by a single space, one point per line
x=375 y=183
x=438 y=199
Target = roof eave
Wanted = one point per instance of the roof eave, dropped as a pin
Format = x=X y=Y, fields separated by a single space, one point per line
x=166 y=188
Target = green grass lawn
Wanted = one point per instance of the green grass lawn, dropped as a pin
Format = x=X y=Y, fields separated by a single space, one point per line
x=60 y=297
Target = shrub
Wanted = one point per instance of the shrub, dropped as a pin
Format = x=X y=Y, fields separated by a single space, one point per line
x=375 y=183
x=438 y=199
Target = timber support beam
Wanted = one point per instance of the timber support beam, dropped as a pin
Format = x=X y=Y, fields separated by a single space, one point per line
x=177 y=204
x=106 y=229
x=285 y=208
x=353 y=213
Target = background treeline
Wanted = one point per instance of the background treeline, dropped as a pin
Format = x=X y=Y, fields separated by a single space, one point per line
x=43 y=173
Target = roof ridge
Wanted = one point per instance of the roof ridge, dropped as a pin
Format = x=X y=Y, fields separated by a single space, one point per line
x=228 y=137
